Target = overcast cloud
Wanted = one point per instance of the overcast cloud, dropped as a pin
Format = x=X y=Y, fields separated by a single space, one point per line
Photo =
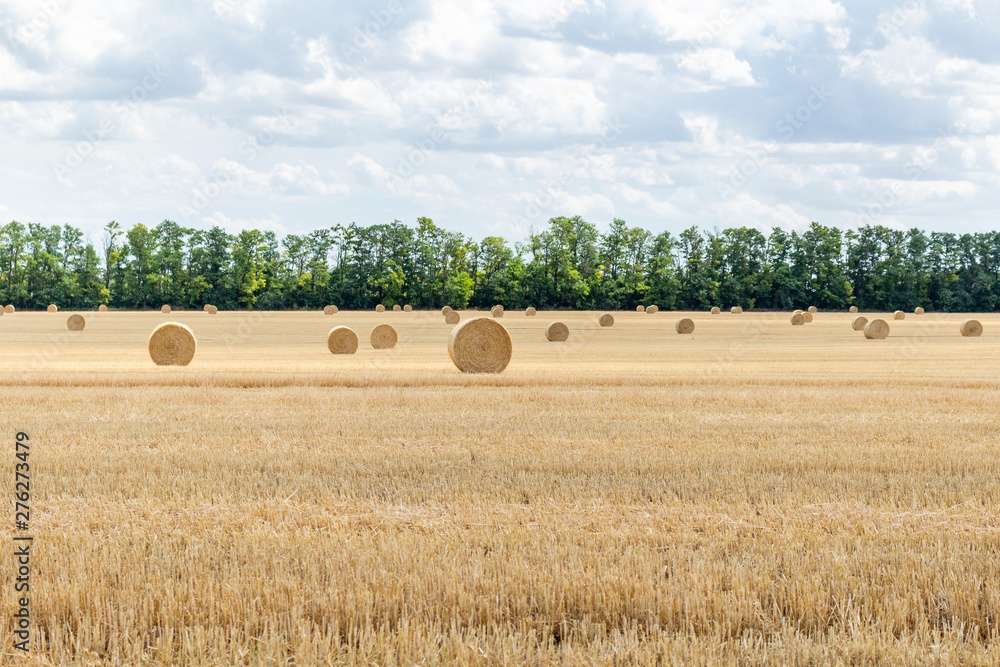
x=491 y=117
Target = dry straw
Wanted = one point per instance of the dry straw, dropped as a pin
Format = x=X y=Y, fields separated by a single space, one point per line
x=330 y=310
x=342 y=340
x=685 y=325
x=971 y=328
x=101 y=308
x=854 y=309
x=76 y=323
x=10 y=309
x=380 y=308
x=798 y=312
x=606 y=320
x=480 y=345
x=52 y=308
x=919 y=311
x=877 y=330
x=899 y=315
x=813 y=309
x=716 y=310
x=207 y=307
x=496 y=311
x=397 y=308
x=407 y=308
x=808 y=317
x=859 y=323
x=530 y=312
x=653 y=309
x=172 y=344
x=446 y=310
x=452 y=317
x=165 y=309
x=798 y=319
x=383 y=337
x=737 y=310
x=640 y=309
x=556 y=332
x=212 y=310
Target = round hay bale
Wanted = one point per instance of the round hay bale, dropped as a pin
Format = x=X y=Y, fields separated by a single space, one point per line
x=606 y=320
x=813 y=309
x=556 y=332
x=685 y=325
x=342 y=340
x=397 y=308
x=918 y=311
x=797 y=312
x=716 y=310
x=798 y=319
x=76 y=323
x=530 y=312
x=10 y=309
x=207 y=307
x=480 y=345
x=640 y=309
x=854 y=309
x=383 y=337
x=172 y=344
x=331 y=310
x=452 y=317
x=496 y=311
x=877 y=330
x=165 y=309
x=212 y=310
x=407 y=308
x=737 y=310
x=652 y=309
x=859 y=323
x=380 y=308
x=971 y=328
x=446 y=310
x=52 y=308
x=899 y=315
x=808 y=317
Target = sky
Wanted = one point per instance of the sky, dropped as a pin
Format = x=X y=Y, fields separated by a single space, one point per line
x=493 y=117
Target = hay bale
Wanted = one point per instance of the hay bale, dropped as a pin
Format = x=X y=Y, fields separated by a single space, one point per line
x=407 y=308
x=685 y=325
x=380 y=308
x=652 y=309
x=212 y=310
x=397 y=308
x=496 y=311
x=859 y=323
x=606 y=320
x=342 y=340
x=172 y=344
x=640 y=309
x=808 y=317
x=813 y=309
x=899 y=315
x=446 y=310
x=556 y=332
x=331 y=310
x=383 y=337
x=480 y=345
x=798 y=319
x=165 y=309
x=918 y=311
x=52 y=308
x=207 y=307
x=854 y=309
x=877 y=330
x=971 y=328
x=452 y=317
x=530 y=312
x=9 y=309
x=737 y=310
x=76 y=323
x=716 y=310
x=797 y=312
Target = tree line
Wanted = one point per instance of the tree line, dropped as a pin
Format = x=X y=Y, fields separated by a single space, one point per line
x=568 y=264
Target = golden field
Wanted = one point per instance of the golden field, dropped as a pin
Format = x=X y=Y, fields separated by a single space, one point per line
x=754 y=493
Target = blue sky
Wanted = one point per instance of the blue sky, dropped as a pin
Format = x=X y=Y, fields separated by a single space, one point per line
x=492 y=117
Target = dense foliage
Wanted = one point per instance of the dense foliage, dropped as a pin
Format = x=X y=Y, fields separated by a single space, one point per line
x=570 y=264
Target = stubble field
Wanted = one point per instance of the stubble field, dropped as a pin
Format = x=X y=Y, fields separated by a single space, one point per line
x=752 y=493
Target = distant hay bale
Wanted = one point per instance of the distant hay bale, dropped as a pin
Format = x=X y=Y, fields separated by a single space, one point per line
x=716 y=310
x=808 y=317
x=854 y=309
x=480 y=345
x=452 y=317
x=52 y=308
x=330 y=310
x=446 y=310
x=556 y=332
x=530 y=312
x=877 y=330
x=685 y=325
x=971 y=328
x=397 y=308
x=165 y=309
x=918 y=311
x=207 y=307
x=383 y=337
x=380 y=308
x=813 y=309
x=10 y=309
x=407 y=308
x=736 y=310
x=76 y=323
x=859 y=323
x=652 y=309
x=496 y=311
x=172 y=344
x=342 y=340
x=899 y=315
x=798 y=319
x=606 y=320
x=212 y=310
x=640 y=309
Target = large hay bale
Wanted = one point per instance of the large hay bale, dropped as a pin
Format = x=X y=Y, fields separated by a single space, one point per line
x=165 y=309
x=530 y=312
x=76 y=323
x=452 y=317
x=971 y=328
x=737 y=310
x=380 y=308
x=407 y=308
x=383 y=337
x=877 y=330
x=808 y=317
x=480 y=345
x=496 y=311
x=640 y=309
x=716 y=310
x=52 y=308
x=798 y=319
x=606 y=320
x=652 y=309
x=918 y=311
x=899 y=315
x=9 y=309
x=212 y=310
x=446 y=310
x=797 y=312
x=397 y=308
x=685 y=325
x=172 y=344
x=556 y=332
x=813 y=309
x=854 y=309
x=342 y=340
x=859 y=323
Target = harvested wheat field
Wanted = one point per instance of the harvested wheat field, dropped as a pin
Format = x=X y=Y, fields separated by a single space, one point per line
x=750 y=493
